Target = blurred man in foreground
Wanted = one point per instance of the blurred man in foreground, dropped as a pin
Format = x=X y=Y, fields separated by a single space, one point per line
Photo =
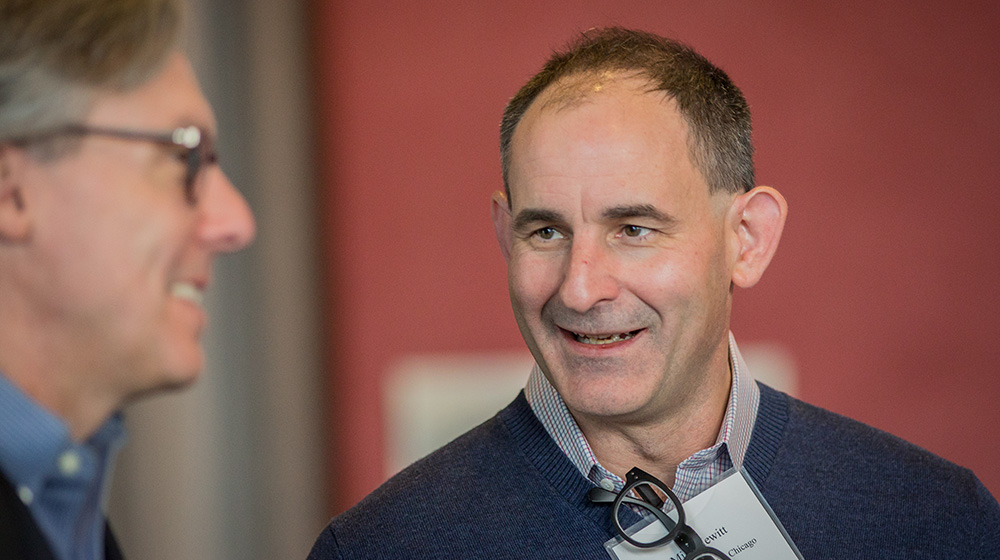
x=112 y=210
x=630 y=215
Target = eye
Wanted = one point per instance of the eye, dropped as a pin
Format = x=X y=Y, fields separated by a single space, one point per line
x=635 y=231
x=548 y=234
x=180 y=153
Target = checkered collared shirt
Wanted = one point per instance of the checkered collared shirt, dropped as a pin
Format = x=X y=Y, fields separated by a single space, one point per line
x=694 y=474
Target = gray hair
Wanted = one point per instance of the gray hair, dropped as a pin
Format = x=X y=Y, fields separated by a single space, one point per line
x=55 y=55
x=714 y=109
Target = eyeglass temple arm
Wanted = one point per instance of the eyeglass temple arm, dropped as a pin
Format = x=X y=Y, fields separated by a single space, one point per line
x=599 y=495
x=647 y=493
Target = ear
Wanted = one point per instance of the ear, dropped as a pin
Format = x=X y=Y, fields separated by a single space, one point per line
x=502 y=222
x=757 y=219
x=15 y=222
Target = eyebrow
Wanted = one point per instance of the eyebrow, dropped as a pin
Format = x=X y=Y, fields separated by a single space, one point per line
x=530 y=216
x=637 y=211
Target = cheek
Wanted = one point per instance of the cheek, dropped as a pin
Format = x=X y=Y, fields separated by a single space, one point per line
x=677 y=283
x=533 y=280
x=152 y=245
x=669 y=277
x=708 y=290
x=135 y=251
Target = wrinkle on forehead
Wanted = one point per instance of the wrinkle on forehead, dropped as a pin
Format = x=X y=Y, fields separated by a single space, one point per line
x=583 y=88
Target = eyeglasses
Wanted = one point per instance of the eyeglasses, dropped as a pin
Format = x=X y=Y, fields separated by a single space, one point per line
x=193 y=146
x=646 y=487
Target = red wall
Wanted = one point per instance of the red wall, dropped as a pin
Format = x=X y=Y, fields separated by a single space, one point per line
x=880 y=123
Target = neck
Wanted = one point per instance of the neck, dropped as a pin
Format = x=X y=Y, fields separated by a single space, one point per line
x=32 y=360
x=83 y=409
x=659 y=446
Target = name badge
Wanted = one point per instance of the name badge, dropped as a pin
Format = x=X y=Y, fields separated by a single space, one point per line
x=730 y=516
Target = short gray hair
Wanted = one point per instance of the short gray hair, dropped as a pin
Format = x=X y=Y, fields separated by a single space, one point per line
x=56 y=54
x=715 y=110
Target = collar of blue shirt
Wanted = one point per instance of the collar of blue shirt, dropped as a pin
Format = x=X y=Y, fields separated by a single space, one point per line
x=63 y=483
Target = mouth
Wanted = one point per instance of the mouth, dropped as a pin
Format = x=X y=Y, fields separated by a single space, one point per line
x=603 y=339
x=188 y=291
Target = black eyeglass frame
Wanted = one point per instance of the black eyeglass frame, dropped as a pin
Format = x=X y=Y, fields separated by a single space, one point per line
x=198 y=150
x=680 y=532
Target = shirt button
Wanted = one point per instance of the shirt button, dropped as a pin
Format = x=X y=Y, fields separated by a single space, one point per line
x=69 y=463
x=607 y=484
x=26 y=495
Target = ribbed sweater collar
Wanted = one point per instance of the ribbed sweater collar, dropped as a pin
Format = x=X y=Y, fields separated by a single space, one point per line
x=772 y=418
x=555 y=468
x=537 y=447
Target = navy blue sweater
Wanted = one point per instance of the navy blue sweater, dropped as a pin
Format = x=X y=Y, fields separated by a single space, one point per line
x=504 y=490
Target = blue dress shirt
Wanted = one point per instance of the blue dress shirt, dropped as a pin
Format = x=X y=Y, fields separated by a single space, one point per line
x=63 y=483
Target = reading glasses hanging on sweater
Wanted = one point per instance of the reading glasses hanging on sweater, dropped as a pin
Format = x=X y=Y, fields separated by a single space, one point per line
x=648 y=488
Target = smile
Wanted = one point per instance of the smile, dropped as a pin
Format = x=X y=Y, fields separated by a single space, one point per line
x=600 y=340
x=188 y=292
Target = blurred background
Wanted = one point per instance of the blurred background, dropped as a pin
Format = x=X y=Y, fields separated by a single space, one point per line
x=370 y=322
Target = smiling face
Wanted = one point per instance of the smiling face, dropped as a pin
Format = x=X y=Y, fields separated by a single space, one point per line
x=619 y=258
x=119 y=258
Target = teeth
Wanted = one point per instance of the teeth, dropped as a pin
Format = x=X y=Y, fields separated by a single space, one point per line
x=187 y=291
x=599 y=340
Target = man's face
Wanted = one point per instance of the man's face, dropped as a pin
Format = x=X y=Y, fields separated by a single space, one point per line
x=619 y=260
x=122 y=258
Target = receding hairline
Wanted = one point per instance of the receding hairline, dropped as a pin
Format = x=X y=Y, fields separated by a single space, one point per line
x=713 y=107
x=580 y=88
x=577 y=88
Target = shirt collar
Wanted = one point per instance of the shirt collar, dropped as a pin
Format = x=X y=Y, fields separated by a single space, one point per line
x=32 y=438
x=730 y=446
x=741 y=413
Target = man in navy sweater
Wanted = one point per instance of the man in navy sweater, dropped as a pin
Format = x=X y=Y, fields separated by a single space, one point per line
x=629 y=214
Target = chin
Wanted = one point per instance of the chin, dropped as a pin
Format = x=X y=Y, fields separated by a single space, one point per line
x=182 y=381
x=185 y=376
x=597 y=407
x=604 y=397
x=166 y=384
x=182 y=371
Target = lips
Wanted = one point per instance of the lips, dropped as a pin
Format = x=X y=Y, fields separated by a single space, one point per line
x=603 y=339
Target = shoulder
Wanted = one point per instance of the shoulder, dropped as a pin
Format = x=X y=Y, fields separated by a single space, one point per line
x=418 y=496
x=826 y=470
x=498 y=490
x=838 y=445
x=20 y=537
x=480 y=454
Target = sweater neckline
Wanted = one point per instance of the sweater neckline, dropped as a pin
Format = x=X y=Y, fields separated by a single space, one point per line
x=538 y=449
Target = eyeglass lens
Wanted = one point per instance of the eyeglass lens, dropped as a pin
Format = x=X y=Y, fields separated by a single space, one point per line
x=194 y=158
x=650 y=489
x=650 y=502
x=197 y=158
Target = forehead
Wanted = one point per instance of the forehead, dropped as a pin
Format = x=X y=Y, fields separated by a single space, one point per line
x=171 y=98
x=605 y=136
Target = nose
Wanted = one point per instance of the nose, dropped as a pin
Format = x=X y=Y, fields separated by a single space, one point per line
x=227 y=223
x=590 y=276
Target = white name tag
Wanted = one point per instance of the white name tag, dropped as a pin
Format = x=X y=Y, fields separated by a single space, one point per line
x=730 y=516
